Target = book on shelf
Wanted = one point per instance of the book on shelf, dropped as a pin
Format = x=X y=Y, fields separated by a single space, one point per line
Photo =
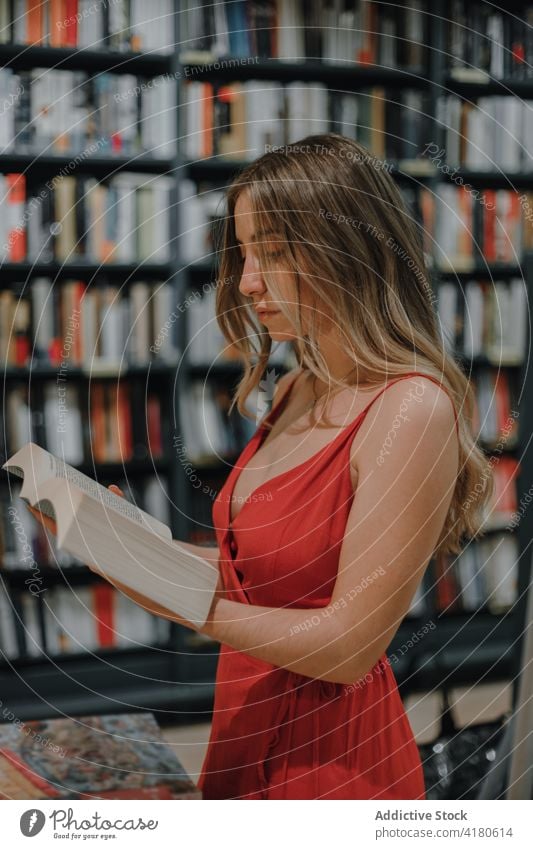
x=100 y=328
x=49 y=621
x=360 y=33
x=124 y=219
x=488 y=318
x=491 y=134
x=119 y=756
x=242 y=120
x=13 y=246
x=119 y=25
x=66 y=113
x=483 y=575
x=9 y=646
x=200 y=214
x=484 y=40
x=102 y=425
x=123 y=541
x=503 y=506
x=496 y=410
x=481 y=227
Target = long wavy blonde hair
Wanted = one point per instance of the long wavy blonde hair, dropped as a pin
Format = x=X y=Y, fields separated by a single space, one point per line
x=347 y=237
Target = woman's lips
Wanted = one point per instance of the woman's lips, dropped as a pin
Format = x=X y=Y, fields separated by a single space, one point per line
x=265 y=313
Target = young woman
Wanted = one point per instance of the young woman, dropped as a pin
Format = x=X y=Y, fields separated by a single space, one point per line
x=364 y=469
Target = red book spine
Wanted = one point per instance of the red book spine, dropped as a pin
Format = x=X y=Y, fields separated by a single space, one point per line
x=489 y=222
x=104 y=611
x=155 y=442
x=71 y=23
x=34 y=25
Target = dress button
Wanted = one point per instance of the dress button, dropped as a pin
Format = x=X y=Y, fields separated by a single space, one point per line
x=233 y=546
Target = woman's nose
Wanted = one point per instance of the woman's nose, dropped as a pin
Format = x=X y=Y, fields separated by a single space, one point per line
x=251 y=282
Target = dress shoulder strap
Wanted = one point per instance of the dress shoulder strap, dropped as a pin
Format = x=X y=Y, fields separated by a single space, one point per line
x=404 y=377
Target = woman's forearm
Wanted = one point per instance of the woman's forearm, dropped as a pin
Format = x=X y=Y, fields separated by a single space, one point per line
x=209 y=553
x=311 y=642
x=314 y=642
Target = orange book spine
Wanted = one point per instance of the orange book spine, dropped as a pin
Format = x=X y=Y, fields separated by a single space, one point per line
x=57 y=23
x=34 y=22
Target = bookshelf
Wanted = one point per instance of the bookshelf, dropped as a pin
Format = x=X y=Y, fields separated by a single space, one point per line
x=134 y=674
x=472 y=645
x=176 y=678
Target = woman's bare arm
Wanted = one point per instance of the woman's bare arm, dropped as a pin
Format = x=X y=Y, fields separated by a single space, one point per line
x=208 y=552
x=393 y=525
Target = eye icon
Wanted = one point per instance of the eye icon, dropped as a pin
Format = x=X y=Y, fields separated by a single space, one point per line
x=32 y=822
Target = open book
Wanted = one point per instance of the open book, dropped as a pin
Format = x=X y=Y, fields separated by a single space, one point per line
x=107 y=531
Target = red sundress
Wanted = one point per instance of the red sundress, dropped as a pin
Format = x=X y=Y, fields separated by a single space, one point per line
x=277 y=734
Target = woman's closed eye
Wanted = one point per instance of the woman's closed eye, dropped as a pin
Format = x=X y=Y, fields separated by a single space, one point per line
x=273 y=248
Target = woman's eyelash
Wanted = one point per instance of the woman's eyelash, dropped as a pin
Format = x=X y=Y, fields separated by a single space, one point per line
x=271 y=254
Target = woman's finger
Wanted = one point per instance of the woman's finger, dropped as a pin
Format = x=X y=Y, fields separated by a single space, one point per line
x=116 y=489
x=46 y=521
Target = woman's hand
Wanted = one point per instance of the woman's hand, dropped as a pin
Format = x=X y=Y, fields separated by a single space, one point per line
x=45 y=521
x=51 y=525
x=141 y=600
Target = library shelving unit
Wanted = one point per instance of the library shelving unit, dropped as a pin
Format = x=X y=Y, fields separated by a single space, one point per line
x=177 y=679
x=107 y=680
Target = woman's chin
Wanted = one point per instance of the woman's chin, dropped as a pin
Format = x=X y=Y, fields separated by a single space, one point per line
x=281 y=335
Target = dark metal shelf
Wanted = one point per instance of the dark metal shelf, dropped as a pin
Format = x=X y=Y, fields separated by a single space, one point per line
x=127 y=468
x=488 y=271
x=75 y=575
x=511 y=180
x=218 y=370
x=19 y=271
x=222 y=169
x=482 y=361
x=84 y=685
x=472 y=89
x=100 y=654
x=202 y=271
x=28 y=56
x=347 y=76
x=98 y=166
